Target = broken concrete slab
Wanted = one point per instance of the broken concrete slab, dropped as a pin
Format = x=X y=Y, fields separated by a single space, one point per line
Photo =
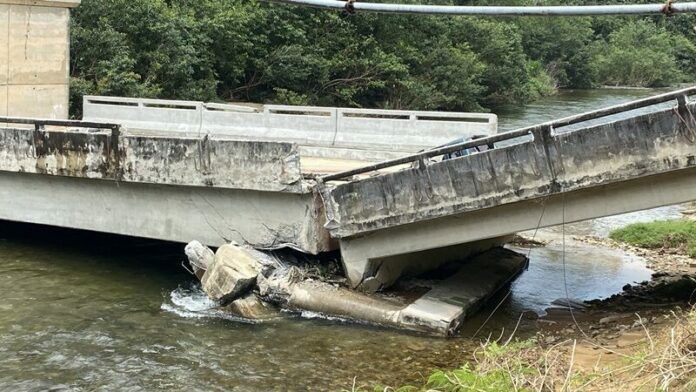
x=234 y=271
x=372 y=275
x=440 y=311
x=289 y=290
x=454 y=299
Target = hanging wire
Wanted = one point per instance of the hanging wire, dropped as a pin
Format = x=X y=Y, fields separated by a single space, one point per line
x=529 y=254
x=565 y=273
x=667 y=8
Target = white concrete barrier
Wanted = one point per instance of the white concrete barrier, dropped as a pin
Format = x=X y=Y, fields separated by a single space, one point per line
x=391 y=131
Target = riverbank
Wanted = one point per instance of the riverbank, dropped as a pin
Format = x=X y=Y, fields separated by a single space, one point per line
x=656 y=356
x=643 y=338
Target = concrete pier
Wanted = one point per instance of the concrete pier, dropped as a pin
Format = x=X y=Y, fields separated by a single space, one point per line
x=34 y=57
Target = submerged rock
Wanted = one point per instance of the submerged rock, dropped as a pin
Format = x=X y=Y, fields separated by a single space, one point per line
x=252 y=307
x=233 y=272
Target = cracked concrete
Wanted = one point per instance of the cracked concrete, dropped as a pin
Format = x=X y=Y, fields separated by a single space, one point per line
x=621 y=166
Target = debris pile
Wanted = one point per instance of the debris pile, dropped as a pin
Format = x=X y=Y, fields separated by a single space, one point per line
x=255 y=284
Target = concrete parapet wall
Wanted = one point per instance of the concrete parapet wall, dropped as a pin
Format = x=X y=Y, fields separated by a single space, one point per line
x=646 y=145
x=34 y=58
x=44 y=3
x=395 y=221
x=319 y=127
x=202 y=162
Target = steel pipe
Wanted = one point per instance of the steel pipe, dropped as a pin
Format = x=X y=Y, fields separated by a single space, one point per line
x=637 y=9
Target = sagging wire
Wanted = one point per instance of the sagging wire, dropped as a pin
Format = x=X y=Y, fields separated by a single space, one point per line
x=529 y=253
x=565 y=275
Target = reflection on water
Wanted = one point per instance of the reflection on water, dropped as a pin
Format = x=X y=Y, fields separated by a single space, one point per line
x=589 y=272
x=93 y=312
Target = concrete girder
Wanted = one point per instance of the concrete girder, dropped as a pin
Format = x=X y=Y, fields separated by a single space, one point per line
x=362 y=254
x=626 y=165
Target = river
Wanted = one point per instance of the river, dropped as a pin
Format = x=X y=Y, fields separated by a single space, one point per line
x=84 y=311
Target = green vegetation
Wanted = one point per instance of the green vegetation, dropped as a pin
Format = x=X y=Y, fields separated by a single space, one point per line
x=664 y=360
x=225 y=50
x=675 y=235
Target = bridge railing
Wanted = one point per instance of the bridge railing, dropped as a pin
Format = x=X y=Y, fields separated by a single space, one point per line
x=40 y=123
x=540 y=130
x=363 y=129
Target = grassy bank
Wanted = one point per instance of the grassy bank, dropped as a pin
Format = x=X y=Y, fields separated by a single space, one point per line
x=664 y=359
x=678 y=236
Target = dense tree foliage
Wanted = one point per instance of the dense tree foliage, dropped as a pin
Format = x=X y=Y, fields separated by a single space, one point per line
x=231 y=50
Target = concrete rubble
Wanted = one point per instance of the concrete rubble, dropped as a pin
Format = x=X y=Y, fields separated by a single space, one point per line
x=252 y=307
x=254 y=284
x=200 y=257
x=234 y=271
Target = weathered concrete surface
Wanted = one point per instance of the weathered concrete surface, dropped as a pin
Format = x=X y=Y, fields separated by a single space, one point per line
x=356 y=134
x=265 y=166
x=627 y=149
x=440 y=311
x=34 y=57
x=200 y=257
x=233 y=272
x=458 y=297
x=214 y=216
x=213 y=190
x=643 y=162
x=45 y=3
x=252 y=307
x=612 y=199
x=290 y=291
x=376 y=274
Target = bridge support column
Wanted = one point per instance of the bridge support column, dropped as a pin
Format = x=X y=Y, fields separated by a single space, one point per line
x=35 y=57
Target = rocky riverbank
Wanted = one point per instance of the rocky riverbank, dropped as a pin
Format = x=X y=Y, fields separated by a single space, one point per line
x=602 y=334
x=643 y=338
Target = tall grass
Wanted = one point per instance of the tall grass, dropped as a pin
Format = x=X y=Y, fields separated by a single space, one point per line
x=666 y=361
x=675 y=235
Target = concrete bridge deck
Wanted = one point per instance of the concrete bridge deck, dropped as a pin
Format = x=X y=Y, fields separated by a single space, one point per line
x=180 y=171
x=438 y=210
x=412 y=213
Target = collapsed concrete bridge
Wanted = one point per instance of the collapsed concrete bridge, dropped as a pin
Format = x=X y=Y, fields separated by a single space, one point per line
x=564 y=171
x=193 y=178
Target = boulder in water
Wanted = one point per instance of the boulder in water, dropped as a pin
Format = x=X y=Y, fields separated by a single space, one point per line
x=233 y=272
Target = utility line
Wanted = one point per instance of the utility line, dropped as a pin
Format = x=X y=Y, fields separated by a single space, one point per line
x=668 y=8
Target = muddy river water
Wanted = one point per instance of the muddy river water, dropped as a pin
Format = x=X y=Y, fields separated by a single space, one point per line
x=82 y=311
